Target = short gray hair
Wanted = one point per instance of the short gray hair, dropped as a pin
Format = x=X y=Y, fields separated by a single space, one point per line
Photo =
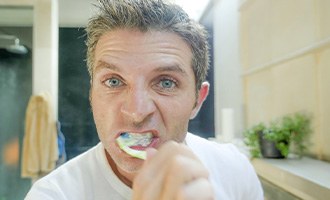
x=146 y=15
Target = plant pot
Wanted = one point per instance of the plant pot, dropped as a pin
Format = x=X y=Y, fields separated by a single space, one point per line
x=268 y=148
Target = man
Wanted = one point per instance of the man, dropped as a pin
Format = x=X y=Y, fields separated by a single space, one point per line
x=148 y=61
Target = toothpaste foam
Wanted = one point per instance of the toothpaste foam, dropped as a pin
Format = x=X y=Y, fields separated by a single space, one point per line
x=127 y=140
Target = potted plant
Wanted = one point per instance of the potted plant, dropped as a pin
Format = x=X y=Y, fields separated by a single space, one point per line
x=251 y=138
x=288 y=134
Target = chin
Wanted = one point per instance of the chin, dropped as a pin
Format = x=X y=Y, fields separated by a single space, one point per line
x=127 y=163
x=129 y=167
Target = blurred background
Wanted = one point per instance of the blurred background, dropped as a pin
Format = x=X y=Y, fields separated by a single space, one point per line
x=269 y=58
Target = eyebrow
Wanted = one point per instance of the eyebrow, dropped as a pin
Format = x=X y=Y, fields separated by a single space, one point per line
x=102 y=64
x=169 y=68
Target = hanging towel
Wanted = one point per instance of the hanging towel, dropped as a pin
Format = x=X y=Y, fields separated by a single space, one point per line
x=40 y=148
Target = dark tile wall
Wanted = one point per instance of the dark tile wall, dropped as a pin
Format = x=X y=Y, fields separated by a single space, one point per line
x=203 y=123
x=74 y=109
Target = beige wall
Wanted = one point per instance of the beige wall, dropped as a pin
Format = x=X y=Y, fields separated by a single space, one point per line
x=285 y=57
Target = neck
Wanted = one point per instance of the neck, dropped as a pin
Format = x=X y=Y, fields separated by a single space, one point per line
x=118 y=172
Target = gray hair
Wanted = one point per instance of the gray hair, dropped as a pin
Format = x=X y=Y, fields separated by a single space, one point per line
x=146 y=15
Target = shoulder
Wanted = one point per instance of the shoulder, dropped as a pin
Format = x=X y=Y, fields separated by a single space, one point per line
x=230 y=170
x=80 y=164
x=205 y=148
x=68 y=178
x=216 y=155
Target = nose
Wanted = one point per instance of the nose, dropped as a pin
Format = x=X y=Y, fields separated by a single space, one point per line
x=138 y=105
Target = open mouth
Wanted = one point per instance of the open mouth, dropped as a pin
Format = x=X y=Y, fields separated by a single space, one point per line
x=135 y=144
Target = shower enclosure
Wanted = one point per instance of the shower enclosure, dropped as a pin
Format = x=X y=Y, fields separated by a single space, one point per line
x=15 y=90
x=20 y=21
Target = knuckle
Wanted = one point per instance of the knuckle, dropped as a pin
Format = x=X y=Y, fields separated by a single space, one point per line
x=178 y=163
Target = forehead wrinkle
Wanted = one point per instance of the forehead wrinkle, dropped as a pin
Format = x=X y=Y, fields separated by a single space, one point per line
x=161 y=49
x=101 y=64
x=171 y=68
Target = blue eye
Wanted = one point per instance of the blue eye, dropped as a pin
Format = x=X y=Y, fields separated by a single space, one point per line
x=114 y=82
x=167 y=83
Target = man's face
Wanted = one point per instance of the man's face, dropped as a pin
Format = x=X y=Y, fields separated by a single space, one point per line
x=142 y=83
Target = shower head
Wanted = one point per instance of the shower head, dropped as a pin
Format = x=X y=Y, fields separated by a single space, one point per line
x=12 y=44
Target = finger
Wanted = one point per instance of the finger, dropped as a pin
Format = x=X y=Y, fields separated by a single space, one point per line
x=142 y=188
x=149 y=182
x=199 y=189
x=181 y=171
x=169 y=150
x=147 y=187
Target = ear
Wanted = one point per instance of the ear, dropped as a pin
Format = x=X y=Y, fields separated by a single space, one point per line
x=202 y=94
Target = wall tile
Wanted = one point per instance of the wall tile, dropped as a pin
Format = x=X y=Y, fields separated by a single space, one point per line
x=295 y=90
x=256 y=34
x=292 y=26
x=324 y=83
x=324 y=18
x=259 y=92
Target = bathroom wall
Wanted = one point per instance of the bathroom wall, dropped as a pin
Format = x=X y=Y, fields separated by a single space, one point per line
x=15 y=90
x=285 y=61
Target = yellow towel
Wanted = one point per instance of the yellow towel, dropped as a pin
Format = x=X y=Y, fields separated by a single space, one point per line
x=40 y=150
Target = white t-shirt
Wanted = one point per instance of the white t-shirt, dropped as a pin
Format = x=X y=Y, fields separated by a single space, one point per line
x=89 y=176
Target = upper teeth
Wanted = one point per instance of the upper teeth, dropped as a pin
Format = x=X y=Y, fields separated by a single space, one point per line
x=134 y=139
